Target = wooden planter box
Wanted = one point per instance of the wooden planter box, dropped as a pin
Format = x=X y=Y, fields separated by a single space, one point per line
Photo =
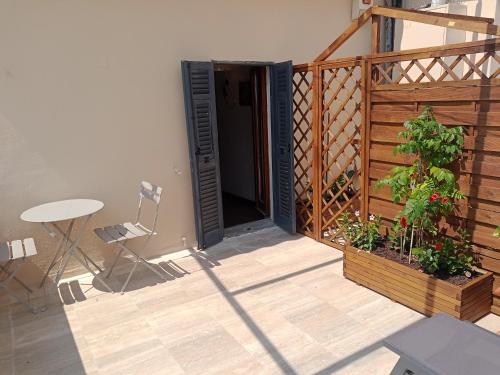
x=417 y=290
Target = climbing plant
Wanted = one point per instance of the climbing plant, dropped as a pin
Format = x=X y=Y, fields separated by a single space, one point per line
x=428 y=190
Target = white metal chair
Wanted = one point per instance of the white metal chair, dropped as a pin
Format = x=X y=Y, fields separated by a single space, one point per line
x=12 y=255
x=119 y=234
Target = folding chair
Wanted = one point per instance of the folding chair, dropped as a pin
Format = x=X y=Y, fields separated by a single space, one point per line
x=119 y=234
x=12 y=255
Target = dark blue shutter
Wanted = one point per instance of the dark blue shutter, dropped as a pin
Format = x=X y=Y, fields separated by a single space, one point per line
x=282 y=146
x=199 y=98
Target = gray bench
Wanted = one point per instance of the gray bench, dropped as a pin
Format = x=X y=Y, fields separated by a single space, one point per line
x=443 y=345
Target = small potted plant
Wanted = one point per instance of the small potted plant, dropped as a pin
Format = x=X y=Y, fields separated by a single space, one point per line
x=419 y=265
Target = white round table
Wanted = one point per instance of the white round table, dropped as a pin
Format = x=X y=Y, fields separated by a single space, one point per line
x=71 y=209
x=62 y=210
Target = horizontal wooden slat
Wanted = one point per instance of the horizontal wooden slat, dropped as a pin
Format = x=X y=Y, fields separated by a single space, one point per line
x=455 y=49
x=417 y=290
x=411 y=108
x=490 y=264
x=446 y=117
x=450 y=288
x=481 y=234
x=496 y=285
x=484 y=82
x=437 y=94
x=445 y=20
x=404 y=280
x=496 y=309
x=482 y=190
x=483 y=164
x=483 y=212
x=389 y=134
x=377 y=286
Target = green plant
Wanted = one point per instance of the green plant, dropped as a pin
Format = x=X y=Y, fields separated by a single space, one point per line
x=361 y=234
x=497 y=232
x=339 y=185
x=426 y=187
x=445 y=256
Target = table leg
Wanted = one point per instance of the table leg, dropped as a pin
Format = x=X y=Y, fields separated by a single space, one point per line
x=71 y=249
x=65 y=256
x=59 y=252
x=78 y=248
x=72 y=252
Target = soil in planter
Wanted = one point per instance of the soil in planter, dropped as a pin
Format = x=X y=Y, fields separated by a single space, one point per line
x=395 y=257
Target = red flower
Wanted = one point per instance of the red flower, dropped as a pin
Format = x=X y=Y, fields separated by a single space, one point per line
x=434 y=197
x=403 y=222
x=444 y=200
x=438 y=246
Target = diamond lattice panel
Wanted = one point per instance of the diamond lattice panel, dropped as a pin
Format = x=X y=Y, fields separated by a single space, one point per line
x=463 y=67
x=341 y=120
x=303 y=118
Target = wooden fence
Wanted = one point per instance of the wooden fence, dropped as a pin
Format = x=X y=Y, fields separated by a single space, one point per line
x=328 y=116
x=348 y=113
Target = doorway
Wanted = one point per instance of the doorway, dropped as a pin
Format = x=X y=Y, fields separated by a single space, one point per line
x=242 y=127
x=198 y=79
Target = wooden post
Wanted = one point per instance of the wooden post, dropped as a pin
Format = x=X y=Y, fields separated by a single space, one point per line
x=316 y=149
x=375 y=34
x=365 y=134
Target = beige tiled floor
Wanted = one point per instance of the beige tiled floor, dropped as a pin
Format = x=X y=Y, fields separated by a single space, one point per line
x=262 y=303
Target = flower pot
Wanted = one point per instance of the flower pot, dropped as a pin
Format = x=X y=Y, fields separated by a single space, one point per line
x=417 y=290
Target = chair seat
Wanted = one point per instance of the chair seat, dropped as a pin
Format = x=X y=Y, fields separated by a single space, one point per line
x=12 y=250
x=121 y=232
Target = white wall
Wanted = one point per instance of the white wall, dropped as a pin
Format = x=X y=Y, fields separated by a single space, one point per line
x=411 y=35
x=91 y=97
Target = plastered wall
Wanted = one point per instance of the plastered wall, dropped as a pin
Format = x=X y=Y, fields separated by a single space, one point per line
x=91 y=98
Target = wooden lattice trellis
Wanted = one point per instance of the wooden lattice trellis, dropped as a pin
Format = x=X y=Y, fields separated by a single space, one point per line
x=348 y=113
x=328 y=115
x=462 y=85
x=340 y=146
x=484 y=65
x=303 y=150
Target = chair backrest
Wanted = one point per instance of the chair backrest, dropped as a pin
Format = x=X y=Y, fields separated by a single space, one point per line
x=17 y=249
x=152 y=193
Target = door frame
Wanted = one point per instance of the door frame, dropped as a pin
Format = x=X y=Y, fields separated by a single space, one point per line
x=267 y=65
x=199 y=97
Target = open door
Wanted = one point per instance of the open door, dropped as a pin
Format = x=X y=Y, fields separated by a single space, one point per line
x=201 y=120
x=260 y=140
x=282 y=146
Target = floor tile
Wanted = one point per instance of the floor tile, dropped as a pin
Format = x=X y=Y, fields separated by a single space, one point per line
x=260 y=303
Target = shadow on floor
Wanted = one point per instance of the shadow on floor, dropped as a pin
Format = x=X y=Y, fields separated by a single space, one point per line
x=141 y=278
x=260 y=335
x=41 y=343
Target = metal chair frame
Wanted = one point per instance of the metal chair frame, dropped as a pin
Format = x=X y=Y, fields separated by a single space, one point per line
x=11 y=274
x=152 y=193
